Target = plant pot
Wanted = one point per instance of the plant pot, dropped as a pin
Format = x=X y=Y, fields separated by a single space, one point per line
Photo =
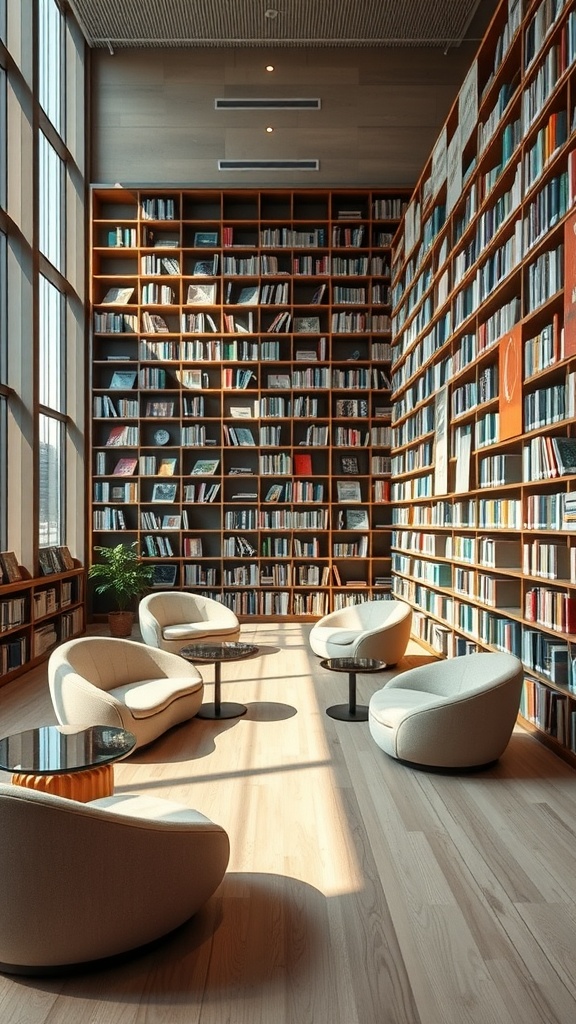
x=120 y=623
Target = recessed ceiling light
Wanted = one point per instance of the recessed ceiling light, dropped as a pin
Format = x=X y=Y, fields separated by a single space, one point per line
x=271 y=13
x=269 y=67
x=269 y=129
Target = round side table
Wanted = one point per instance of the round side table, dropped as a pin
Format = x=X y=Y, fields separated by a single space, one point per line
x=219 y=652
x=351 y=712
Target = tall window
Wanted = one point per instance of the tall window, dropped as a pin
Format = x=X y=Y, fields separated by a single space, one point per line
x=52 y=345
x=3 y=137
x=51 y=526
x=50 y=61
x=41 y=208
x=51 y=202
x=3 y=396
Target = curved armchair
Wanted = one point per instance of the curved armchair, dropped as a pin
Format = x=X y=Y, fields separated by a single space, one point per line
x=458 y=713
x=372 y=629
x=87 y=881
x=171 y=619
x=104 y=681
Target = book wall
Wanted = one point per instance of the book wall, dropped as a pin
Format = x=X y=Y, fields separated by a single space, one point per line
x=38 y=612
x=241 y=391
x=483 y=368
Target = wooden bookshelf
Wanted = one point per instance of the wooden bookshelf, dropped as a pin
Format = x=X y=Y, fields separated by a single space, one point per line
x=484 y=369
x=35 y=615
x=241 y=359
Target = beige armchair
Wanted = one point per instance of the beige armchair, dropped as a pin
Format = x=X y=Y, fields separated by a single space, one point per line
x=458 y=713
x=83 y=882
x=372 y=629
x=173 y=618
x=104 y=681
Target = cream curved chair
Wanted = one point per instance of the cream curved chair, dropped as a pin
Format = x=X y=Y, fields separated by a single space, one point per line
x=101 y=680
x=372 y=629
x=82 y=882
x=458 y=713
x=173 y=618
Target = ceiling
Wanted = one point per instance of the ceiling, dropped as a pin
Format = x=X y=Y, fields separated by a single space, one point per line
x=269 y=23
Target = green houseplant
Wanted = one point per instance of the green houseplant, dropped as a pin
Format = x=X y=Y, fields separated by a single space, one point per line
x=121 y=574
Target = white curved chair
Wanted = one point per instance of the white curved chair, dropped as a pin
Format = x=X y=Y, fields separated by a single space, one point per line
x=173 y=618
x=458 y=713
x=83 y=882
x=372 y=629
x=101 y=680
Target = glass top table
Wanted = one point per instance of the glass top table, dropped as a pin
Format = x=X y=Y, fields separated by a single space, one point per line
x=218 y=652
x=351 y=712
x=66 y=760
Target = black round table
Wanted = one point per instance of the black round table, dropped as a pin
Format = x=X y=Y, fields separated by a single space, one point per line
x=66 y=761
x=351 y=712
x=219 y=652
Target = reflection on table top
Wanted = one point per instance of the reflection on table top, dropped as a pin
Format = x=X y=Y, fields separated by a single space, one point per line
x=54 y=749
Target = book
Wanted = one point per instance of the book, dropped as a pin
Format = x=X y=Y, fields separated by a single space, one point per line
x=348 y=490
x=278 y=380
x=125 y=467
x=191 y=379
x=205 y=239
x=565 y=454
x=10 y=568
x=248 y=296
x=205 y=466
x=201 y=294
x=167 y=467
x=164 y=575
x=171 y=522
x=123 y=379
x=164 y=492
x=206 y=268
x=66 y=560
x=349 y=465
x=306 y=324
x=302 y=464
x=118 y=296
x=356 y=519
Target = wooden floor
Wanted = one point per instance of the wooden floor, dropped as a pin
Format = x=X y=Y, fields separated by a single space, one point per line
x=359 y=891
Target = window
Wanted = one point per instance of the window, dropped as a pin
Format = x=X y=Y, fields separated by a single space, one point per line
x=51 y=526
x=3 y=138
x=51 y=202
x=50 y=93
x=3 y=20
x=3 y=397
x=52 y=346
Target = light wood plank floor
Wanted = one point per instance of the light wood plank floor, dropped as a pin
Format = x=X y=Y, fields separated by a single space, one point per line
x=359 y=891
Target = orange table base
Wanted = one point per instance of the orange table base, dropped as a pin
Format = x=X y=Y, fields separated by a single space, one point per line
x=89 y=784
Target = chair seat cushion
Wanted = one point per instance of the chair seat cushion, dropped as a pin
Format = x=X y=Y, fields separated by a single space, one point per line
x=196 y=630
x=389 y=707
x=342 y=637
x=151 y=696
x=150 y=808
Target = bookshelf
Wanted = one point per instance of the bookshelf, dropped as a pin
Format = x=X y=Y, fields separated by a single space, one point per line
x=35 y=615
x=484 y=369
x=240 y=382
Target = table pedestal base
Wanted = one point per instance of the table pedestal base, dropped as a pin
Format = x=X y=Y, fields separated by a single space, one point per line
x=343 y=713
x=225 y=709
x=88 y=784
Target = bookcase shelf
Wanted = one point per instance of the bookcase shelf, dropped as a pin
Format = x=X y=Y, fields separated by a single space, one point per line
x=35 y=615
x=240 y=380
x=483 y=450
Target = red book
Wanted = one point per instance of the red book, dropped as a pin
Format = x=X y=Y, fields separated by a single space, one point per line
x=302 y=464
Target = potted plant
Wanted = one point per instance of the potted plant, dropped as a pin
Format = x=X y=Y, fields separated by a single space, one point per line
x=124 y=576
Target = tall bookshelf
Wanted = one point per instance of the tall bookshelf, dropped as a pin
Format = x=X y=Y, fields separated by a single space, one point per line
x=241 y=390
x=484 y=368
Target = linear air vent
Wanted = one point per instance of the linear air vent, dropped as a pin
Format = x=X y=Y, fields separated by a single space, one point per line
x=268 y=165
x=267 y=104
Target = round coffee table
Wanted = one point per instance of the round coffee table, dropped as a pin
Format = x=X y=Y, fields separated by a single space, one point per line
x=219 y=652
x=66 y=761
x=351 y=712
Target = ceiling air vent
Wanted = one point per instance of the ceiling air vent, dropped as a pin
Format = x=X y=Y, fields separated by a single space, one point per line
x=268 y=165
x=264 y=104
